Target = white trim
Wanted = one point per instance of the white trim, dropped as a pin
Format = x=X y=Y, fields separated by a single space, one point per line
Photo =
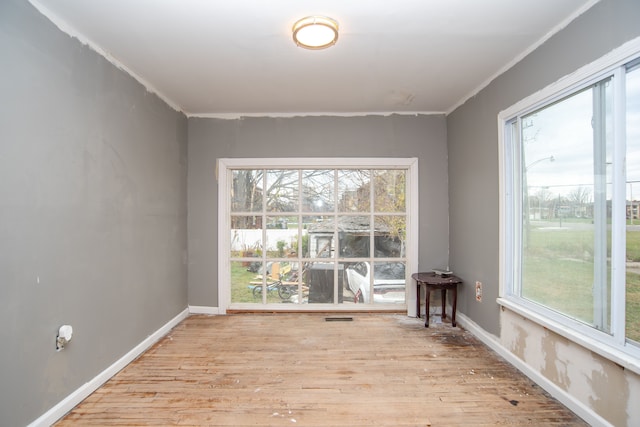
x=201 y=309
x=73 y=32
x=623 y=358
x=579 y=408
x=524 y=54
x=68 y=29
x=322 y=307
x=224 y=164
x=332 y=162
x=224 y=269
x=71 y=401
x=591 y=71
x=413 y=226
x=619 y=207
x=503 y=197
x=240 y=115
x=613 y=347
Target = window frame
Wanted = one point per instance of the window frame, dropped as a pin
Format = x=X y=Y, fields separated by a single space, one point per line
x=613 y=346
x=223 y=171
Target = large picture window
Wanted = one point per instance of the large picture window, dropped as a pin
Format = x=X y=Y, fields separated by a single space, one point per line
x=309 y=233
x=571 y=240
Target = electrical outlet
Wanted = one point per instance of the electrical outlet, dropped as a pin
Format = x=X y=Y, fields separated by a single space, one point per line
x=479 y=291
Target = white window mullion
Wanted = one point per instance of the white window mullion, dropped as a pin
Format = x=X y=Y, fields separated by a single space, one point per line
x=336 y=240
x=229 y=260
x=299 y=238
x=600 y=288
x=372 y=232
x=412 y=239
x=608 y=81
x=263 y=213
x=515 y=188
x=619 y=210
x=224 y=239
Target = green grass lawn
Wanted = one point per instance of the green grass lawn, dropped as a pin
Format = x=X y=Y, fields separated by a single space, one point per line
x=633 y=306
x=241 y=288
x=240 y=278
x=558 y=273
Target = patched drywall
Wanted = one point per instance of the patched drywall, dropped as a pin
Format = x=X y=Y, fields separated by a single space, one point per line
x=611 y=392
x=633 y=410
x=517 y=340
x=592 y=381
x=475 y=197
x=522 y=340
x=555 y=367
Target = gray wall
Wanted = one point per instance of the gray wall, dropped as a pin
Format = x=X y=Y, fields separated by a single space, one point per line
x=422 y=136
x=473 y=143
x=92 y=213
x=565 y=368
x=93 y=193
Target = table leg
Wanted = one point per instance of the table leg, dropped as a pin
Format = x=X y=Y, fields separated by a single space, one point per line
x=427 y=292
x=453 y=305
x=417 y=299
x=444 y=303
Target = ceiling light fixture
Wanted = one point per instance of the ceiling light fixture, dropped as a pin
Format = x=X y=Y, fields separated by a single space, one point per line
x=315 y=32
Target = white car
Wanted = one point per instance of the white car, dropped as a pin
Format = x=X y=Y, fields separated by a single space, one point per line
x=389 y=282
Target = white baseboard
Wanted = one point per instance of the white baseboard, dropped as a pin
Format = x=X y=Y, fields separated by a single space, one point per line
x=70 y=402
x=579 y=408
x=67 y=404
x=202 y=309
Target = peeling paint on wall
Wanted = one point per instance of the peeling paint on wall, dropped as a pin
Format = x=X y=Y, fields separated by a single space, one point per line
x=519 y=345
x=511 y=337
x=610 y=391
x=554 y=367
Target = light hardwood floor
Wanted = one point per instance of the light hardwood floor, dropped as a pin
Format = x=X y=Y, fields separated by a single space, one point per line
x=304 y=370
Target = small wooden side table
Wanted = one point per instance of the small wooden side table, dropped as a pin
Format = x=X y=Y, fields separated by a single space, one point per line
x=432 y=282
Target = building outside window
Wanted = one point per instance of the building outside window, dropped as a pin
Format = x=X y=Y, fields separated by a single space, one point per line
x=316 y=231
x=571 y=186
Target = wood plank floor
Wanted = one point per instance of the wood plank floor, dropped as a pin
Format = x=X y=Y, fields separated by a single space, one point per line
x=303 y=370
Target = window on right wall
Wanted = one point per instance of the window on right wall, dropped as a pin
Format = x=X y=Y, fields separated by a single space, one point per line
x=571 y=209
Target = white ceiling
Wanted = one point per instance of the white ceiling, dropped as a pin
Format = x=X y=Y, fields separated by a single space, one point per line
x=236 y=57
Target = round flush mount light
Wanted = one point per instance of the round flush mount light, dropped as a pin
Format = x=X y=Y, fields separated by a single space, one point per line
x=315 y=32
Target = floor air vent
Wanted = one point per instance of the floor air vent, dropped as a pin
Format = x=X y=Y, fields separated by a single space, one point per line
x=338 y=319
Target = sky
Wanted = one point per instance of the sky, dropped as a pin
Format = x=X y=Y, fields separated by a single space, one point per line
x=563 y=130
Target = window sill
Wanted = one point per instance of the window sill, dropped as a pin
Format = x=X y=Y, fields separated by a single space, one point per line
x=617 y=356
x=316 y=307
